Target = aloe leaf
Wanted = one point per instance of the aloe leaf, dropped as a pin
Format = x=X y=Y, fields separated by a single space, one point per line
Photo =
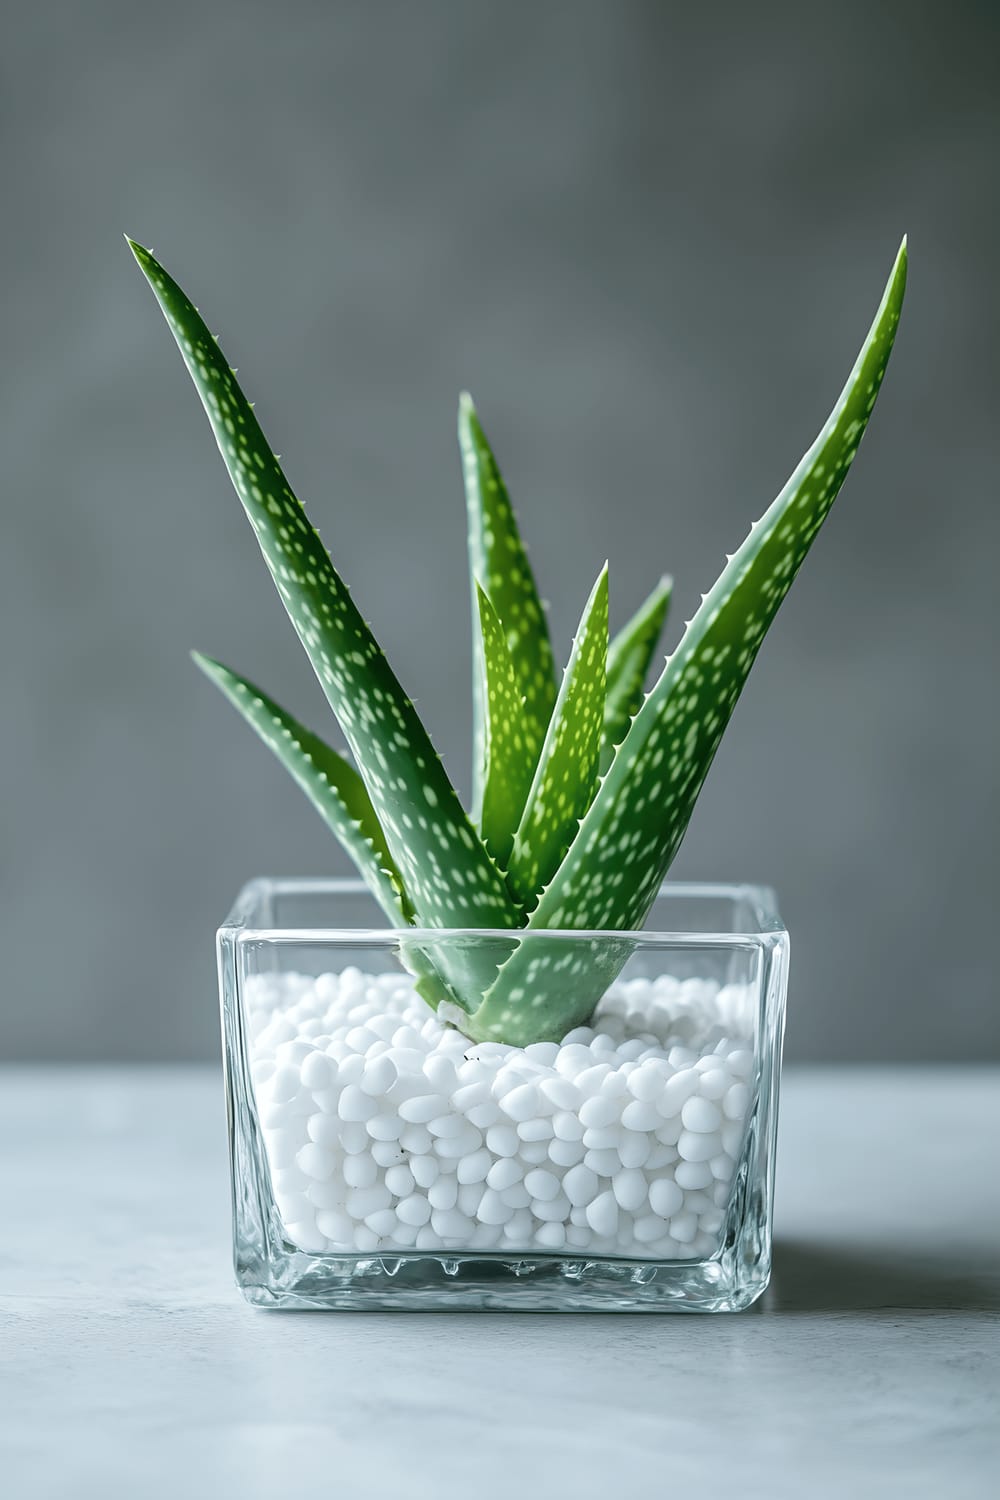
x=565 y=778
x=446 y=871
x=635 y=824
x=332 y=785
x=509 y=763
x=629 y=656
x=499 y=564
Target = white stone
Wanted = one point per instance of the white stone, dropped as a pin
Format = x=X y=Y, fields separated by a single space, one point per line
x=701 y=1115
x=386 y=1130
x=665 y=1197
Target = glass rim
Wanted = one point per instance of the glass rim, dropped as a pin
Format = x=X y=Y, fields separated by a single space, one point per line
x=239 y=926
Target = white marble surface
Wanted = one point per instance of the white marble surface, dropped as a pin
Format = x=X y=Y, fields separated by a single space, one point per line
x=130 y=1366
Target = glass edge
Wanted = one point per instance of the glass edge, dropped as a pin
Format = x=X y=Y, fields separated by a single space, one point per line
x=238 y=922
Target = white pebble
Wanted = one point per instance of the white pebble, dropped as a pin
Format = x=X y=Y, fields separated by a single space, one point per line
x=566 y=1153
x=382 y=1222
x=646 y=1083
x=674 y=1092
x=452 y=1224
x=379 y=1077
x=519 y=1227
x=665 y=1197
x=503 y=1140
x=590 y=1080
x=484 y=1115
x=700 y=1115
x=453 y=1146
x=308 y=1236
x=284 y=1085
x=504 y=1173
x=416 y=1138
x=559 y=1092
x=364 y=1201
x=604 y=1163
x=641 y=1115
x=387 y=1153
x=317 y=1072
x=475 y=1166
x=400 y=1181
x=694 y=1174
x=443 y=1192
x=521 y=1103
x=736 y=1102
x=422 y=1108
x=692 y=1145
x=566 y=1126
x=323 y=1129
x=660 y=1156
x=360 y=1171
x=316 y=1161
x=551 y=1210
x=649 y=1228
x=425 y=1169
x=740 y=1062
x=602 y=1214
x=355 y=1106
x=544 y=1053
x=414 y=1210
x=541 y=1184
x=712 y=1086
x=598 y=1112
x=441 y=1074
x=335 y=1225
x=580 y=1185
x=469 y=1095
x=634 y=1148
x=629 y=1187
x=492 y=1209
x=684 y=1227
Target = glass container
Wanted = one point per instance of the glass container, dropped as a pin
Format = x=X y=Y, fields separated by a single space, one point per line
x=382 y=1159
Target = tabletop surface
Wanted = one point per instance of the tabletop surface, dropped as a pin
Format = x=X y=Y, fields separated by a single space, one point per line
x=130 y=1365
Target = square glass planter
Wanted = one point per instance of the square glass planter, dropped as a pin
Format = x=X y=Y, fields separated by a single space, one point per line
x=381 y=1159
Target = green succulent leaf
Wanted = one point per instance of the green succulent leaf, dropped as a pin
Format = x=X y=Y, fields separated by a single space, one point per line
x=332 y=785
x=499 y=563
x=636 y=821
x=509 y=760
x=565 y=778
x=446 y=871
x=629 y=657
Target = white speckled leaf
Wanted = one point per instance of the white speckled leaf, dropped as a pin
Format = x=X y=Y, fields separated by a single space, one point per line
x=636 y=822
x=565 y=778
x=447 y=873
x=629 y=656
x=499 y=563
x=508 y=761
x=332 y=785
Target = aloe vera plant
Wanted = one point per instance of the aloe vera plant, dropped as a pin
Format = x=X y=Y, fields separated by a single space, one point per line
x=582 y=786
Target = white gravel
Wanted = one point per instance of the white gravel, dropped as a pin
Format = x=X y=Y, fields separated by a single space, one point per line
x=387 y=1130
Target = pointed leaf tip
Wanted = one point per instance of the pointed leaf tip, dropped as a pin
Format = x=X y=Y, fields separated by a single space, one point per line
x=463 y=889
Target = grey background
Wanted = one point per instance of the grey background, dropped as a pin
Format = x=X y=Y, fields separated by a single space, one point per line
x=649 y=237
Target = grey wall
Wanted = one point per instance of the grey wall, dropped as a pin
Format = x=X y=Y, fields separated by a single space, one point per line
x=649 y=237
